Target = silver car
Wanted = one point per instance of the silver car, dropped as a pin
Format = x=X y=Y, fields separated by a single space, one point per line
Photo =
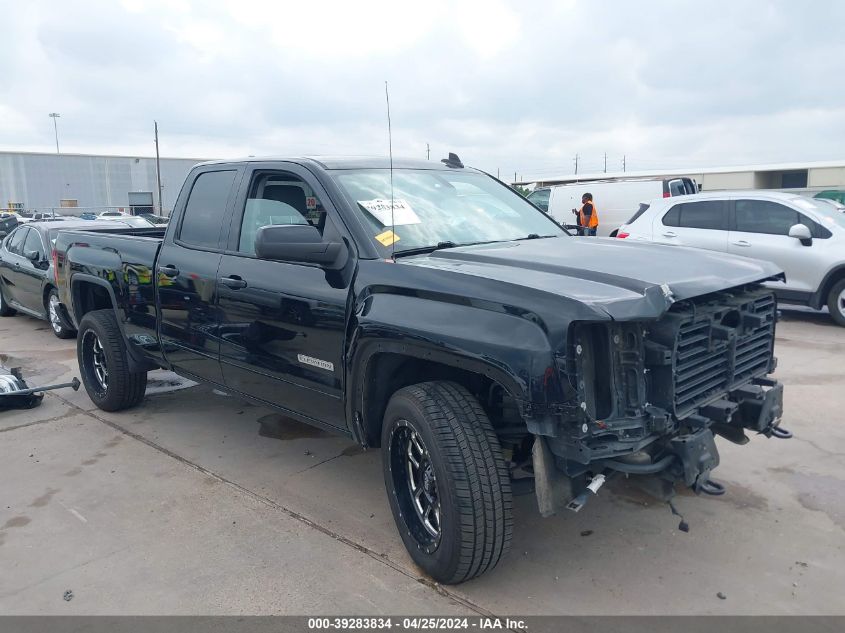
x=805 y=237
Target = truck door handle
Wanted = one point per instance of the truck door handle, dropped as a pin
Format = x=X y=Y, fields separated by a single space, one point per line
x=169 y=271
x=742 y=243
x=233 y=281
x=670 y=234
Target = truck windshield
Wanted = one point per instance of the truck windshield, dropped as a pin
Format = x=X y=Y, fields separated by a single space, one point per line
x=434 y=208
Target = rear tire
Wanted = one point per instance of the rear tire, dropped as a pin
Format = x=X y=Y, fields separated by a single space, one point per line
x=453 y=510
x=836 y=302
x=5 y=310
x=54 y=315
x=104 y=363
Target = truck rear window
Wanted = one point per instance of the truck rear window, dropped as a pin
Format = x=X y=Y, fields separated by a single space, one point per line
x=206 y=209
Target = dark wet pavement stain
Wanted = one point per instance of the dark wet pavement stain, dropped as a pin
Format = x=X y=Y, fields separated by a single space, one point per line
x=742 y=497
x=279 y=427
x=73 y=472
x=351 y=451
x=43 y=500
x=822 y=493
x=117 y=439
x=18 y=521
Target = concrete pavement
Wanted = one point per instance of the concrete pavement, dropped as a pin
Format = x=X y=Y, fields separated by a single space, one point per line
x=196 y=502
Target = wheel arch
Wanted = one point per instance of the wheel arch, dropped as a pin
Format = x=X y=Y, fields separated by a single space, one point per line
x=387 y=367
x=833 y=277
x=89 y=293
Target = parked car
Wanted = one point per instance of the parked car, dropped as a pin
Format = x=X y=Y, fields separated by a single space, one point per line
x=616 y=200
x=831 y=194
x=135 y=221
x=432 y=311
x=157 y=220
x=802 y=236
x=8 y=222
x=113 y=214
x=87 y=215
x=26 y=271
x=37 y=216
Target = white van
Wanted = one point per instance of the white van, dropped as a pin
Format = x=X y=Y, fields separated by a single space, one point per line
x=616 y=200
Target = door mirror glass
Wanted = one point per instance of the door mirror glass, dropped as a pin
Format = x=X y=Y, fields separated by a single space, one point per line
x=801 y=232
x=32 y=256
x=297 y=243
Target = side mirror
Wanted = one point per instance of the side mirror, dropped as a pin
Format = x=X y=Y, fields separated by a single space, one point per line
x=32 y=256
x=297 y=243
x=801 y=232
x=3 y=234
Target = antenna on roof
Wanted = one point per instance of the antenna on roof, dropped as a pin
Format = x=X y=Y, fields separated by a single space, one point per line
x=390 y=153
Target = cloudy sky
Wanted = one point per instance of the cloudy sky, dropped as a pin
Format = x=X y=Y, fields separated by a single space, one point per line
x=510 y=86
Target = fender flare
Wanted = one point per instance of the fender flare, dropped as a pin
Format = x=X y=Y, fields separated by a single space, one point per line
x=136 y=362
x=359 y=366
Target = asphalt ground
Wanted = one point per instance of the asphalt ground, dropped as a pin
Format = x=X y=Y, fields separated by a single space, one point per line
x=198 y=503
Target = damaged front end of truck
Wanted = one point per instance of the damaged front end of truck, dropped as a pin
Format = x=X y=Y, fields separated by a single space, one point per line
x=646 y=398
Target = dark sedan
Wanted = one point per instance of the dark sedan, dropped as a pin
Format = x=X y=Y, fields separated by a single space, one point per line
x=26 y=271
x=8 y=222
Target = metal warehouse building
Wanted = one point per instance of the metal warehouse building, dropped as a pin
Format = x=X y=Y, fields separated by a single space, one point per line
x=797 y=177
x=42 y=181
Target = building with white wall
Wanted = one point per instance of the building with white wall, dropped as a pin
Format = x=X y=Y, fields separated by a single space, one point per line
x=798 y=177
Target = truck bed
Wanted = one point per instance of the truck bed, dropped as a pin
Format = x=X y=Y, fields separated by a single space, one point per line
x=100 y=267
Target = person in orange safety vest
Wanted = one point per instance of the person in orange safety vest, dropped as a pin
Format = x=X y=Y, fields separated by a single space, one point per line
x=588 y=216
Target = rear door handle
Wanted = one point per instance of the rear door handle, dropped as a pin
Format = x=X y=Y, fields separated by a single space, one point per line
x=169 y=271
x=670 y=234
x=742 y=243
x=233 y=281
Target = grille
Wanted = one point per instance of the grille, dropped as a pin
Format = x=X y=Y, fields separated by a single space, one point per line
x=720 y=346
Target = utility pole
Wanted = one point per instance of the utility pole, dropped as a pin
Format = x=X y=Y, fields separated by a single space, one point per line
x=54 y=116
x=514 y=177
x=576 y=164
x=427 y=151
x=623 y=162
x=158 y=172
x=497 y=174
x=605 y=162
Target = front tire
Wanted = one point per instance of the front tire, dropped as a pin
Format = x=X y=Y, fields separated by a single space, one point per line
x=5 y=310
x=447 y=481
x=104 y=363
x=836 y=302
x=54 y=315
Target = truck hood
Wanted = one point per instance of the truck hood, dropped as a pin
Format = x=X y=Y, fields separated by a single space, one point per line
x=623 y=279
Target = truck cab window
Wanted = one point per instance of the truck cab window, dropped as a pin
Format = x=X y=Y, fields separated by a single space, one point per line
x=278 y=198
x=206 y=209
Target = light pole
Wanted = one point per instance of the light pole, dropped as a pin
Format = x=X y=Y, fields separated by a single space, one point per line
x=54 y=116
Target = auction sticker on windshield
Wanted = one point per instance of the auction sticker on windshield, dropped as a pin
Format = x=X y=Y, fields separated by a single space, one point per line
x=387 y=238
x=402 y=211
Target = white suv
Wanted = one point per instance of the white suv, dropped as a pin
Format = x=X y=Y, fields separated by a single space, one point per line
x=805 y=237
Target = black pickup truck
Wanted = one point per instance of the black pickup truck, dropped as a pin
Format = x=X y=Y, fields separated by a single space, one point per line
x=430 y=310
